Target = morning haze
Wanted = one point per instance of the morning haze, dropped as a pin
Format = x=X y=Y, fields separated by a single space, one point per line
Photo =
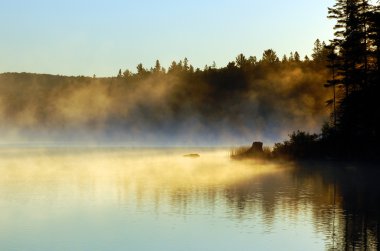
x=124 y=125
x=248 y=98
x=199 y=94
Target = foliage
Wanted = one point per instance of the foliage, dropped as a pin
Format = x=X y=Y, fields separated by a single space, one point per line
x=300 y=145
x=182 y=102
x=353 y=60
x=355 y=71
x=239 y=151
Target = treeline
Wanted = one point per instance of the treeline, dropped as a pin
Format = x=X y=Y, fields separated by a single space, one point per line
x=248 y=98
x=353 y=60
x=242 y=62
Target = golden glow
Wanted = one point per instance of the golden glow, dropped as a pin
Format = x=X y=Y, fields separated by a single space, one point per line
x=39 y=184
x=123 y=168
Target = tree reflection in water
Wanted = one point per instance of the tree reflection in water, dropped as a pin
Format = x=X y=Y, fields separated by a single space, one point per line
x=351 y=221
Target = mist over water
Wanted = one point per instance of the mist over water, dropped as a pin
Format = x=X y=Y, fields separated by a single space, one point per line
x=156 y=199
x=210 y=108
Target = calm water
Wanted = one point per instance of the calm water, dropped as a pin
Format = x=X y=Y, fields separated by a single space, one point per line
x=125 y=199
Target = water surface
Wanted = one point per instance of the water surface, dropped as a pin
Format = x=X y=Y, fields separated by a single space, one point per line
x=156 y=199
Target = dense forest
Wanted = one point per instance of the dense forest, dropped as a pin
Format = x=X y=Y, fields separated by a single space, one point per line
x=249 y=98
x=353 y=61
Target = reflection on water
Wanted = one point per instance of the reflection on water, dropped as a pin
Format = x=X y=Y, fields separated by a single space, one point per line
x=155 y=199
x=353 y=220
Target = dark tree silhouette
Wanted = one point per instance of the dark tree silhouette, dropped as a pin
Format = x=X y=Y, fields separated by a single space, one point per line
x=333 y=82
x=270 y=57
x=297 y=57
x=157 y=68
x=141 y=71
x=241 y=61
x=320 y=52
x=353 y=63
x=352 y=58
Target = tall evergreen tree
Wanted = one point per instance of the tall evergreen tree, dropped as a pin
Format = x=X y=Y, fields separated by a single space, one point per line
x=332 y=64
x=317 y=50
x=320 y=52
x=351 y=39
x=241 y=61
x=297 y=57
x=374 y=43
x=252 y=60
x=157 y=67
x=270 y=56
x=354 y=64
x=186 y=66
x=141 y=71
x=284 y=59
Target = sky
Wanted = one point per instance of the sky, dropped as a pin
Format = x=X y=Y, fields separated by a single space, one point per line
x=82 y=37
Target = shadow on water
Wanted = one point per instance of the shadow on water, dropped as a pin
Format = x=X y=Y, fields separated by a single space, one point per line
x=353 y=217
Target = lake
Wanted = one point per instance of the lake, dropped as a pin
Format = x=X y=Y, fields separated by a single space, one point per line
x=156 y=199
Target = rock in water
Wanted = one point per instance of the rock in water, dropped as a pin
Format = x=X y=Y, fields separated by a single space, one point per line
x=255 y=151
x=192 y=155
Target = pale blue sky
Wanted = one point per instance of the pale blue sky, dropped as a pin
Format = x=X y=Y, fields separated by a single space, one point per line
x=78 y=37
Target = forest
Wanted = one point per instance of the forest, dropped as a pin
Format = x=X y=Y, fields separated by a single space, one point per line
x=249 y=98
x=353 y=62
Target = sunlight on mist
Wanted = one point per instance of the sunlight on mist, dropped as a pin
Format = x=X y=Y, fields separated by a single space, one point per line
x=133 y=168
x=111 y=173
x=41 y=185
x=164 y=109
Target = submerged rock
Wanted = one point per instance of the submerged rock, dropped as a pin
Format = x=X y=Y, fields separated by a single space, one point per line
x=192 y=155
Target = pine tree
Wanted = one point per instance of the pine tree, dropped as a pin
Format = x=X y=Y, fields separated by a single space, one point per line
x=297 y=57
x=317 y=50
x=291 y=57
x=241 y=60
x=351 y=41
x=157 y=67
x=374 y=41
x=332 y=59
x=353 y=59
x=141 y=70
x=252 y=60
x=186 y=64
x=284 y=59
x=270 y=56
x=320 y=52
